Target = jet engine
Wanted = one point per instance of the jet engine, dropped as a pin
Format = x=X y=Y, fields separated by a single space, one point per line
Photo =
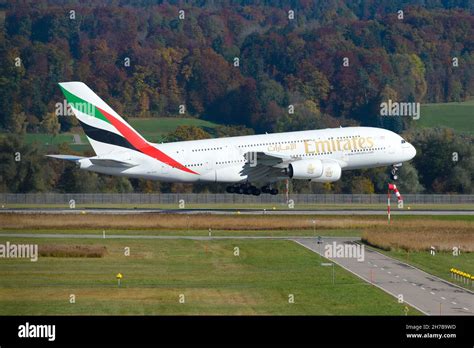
x=315 y=170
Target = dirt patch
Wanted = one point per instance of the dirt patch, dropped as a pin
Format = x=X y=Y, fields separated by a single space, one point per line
x=57 y=250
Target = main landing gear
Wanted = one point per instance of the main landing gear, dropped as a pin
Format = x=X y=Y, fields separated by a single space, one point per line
x=394 y=171
x=248 y=189
x=268 y=189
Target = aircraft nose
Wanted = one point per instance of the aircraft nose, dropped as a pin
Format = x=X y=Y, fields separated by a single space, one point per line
x=411 y=151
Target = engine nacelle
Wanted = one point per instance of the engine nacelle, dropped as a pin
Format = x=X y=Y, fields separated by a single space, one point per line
x=315 y=170
x=306 y=169
x=331 y=172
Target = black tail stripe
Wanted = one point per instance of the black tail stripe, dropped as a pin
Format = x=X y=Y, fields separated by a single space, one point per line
x=104 y=136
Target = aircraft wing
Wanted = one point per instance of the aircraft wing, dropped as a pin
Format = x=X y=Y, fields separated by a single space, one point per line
x=272 y=159
x=268 y=158
x=109 y=162
x=265 y=166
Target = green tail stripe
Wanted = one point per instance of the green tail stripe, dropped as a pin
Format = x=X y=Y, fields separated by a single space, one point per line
x=83 y=106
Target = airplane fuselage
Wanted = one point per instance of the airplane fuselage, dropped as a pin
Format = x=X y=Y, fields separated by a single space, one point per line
x=224 y=159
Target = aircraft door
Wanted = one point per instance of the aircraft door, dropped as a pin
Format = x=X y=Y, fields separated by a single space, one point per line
x=208 y=165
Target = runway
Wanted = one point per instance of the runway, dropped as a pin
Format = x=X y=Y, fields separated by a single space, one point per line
x=425 y=292
x=235 y=211
x=121 y=236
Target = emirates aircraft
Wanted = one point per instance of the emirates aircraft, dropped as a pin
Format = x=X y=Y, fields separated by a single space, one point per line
x=249 y=164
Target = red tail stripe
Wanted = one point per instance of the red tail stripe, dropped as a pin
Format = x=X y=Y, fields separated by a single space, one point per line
x=141 y=145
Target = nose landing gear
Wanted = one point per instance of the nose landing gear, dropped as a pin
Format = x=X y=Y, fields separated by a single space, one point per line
x=394 y=172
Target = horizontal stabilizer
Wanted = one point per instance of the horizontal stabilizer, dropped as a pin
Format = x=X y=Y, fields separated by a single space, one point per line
x=102 y=162
x=108 y=162
x=66 y=157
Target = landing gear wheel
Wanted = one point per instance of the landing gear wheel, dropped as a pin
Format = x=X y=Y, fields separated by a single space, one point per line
x=256 y=191
x=393 y=173
x=230 y=189
x=274 y=192
x=247 y=190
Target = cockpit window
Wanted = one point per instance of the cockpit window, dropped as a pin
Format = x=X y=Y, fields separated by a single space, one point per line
x=403 y=141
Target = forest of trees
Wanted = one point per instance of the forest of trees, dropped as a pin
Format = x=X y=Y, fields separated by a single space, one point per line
x=240 y=65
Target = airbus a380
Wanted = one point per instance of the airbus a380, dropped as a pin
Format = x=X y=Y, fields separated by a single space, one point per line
x=249 y=164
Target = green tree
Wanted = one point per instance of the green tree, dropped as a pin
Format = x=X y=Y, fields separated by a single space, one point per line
x=22 y=166
x=16 y=123
x=409 y=180
x=362 y=184
x=50 y=124
x=311 y=83
x=439 y=153
x=183 y=133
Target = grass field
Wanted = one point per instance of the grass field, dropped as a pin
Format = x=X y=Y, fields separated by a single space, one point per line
x=459 y=116
x=212 y=280
x=46 y=139
x=154 y=129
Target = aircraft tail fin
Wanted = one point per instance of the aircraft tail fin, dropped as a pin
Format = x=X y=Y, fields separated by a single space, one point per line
x=106 y=131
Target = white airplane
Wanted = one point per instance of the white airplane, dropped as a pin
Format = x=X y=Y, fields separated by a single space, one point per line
x=250 y=164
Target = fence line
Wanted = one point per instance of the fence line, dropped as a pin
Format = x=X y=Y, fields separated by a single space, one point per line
x=222 y=198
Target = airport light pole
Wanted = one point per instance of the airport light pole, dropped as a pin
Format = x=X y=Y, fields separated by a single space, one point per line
x=319 y=241
x=388 y=206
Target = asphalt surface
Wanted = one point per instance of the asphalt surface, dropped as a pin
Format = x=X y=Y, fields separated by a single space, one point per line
x=427 y=293
x=122 y=236
x=236 y=211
